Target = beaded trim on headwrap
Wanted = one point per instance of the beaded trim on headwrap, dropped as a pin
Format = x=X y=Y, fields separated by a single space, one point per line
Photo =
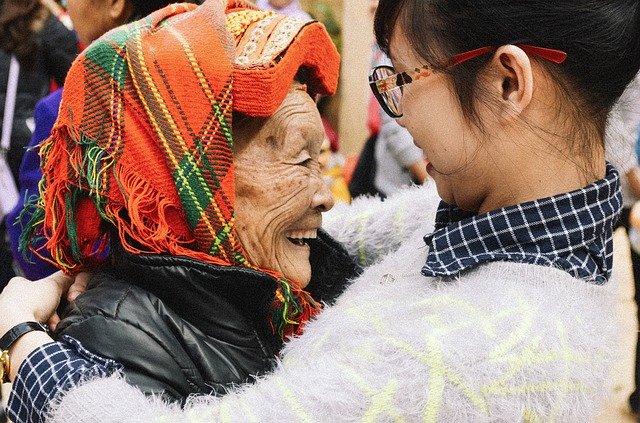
x=270 y=50
x=143 y=145
x=254 y=50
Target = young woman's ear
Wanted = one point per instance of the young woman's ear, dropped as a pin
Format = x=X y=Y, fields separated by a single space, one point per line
x=512 y=80
x=120 y=10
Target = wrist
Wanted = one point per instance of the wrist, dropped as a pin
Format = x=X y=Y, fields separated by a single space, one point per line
x=24 y=346
x=11 y=339
x=10 y=320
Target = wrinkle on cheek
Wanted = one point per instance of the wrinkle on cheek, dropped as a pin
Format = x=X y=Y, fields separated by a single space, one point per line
x=292 y=187
x=288 y=195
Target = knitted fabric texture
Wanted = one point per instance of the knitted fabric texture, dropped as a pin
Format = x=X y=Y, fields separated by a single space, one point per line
x=143 y=147
x=270 y=49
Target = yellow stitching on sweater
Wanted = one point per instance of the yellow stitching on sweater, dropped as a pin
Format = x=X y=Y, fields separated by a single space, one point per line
x=530 y=416
x=518 y=349
x=382 y=403
x=382 y=400
x=247 y=412
x=527 y=314
x=532 y=388
x=294 y=402
x=435 y=360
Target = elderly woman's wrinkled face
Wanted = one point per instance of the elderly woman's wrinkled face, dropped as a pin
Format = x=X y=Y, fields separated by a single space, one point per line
x=279 y=188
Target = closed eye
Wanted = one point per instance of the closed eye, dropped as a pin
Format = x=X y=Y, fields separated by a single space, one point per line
x=306 y=162
x=303 y=158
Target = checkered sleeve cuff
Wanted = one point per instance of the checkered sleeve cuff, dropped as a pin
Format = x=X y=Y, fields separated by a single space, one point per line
x=49 y=372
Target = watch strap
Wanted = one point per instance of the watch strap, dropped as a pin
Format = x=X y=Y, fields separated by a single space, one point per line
x=17 y=331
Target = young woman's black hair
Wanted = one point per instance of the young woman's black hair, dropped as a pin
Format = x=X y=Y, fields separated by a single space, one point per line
x=601 y=38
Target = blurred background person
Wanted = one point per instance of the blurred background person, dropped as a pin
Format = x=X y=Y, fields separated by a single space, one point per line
x=59 y=12
x=389 y=159
x=332 y=162
x=621 y=138
x=44 y=49
x=291 y=8
x=332 y=166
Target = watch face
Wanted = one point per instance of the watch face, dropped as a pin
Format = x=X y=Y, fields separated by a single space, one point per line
x=4 y=367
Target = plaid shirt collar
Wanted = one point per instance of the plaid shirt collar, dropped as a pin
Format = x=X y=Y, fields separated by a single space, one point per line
x=572 y=231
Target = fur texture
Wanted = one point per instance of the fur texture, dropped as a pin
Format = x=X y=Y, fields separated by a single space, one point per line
x=503 y=342
x=370 y=228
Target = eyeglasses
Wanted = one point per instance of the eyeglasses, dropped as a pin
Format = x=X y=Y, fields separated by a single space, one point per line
x=387 y=85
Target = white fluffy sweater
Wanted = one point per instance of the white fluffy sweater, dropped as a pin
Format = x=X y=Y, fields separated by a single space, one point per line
x=503 y=342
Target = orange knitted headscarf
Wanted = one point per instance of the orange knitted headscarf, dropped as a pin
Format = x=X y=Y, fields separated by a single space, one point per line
x=143 y=143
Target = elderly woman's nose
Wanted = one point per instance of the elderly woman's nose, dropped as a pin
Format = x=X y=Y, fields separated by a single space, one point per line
x=322 y=199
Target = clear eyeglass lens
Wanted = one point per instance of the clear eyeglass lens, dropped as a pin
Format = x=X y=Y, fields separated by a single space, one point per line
x=392 y=97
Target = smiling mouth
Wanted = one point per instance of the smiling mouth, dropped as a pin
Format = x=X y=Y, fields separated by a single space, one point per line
x=302 y=237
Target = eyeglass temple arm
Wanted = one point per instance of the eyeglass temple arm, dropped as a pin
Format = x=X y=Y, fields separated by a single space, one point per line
x=555 y=56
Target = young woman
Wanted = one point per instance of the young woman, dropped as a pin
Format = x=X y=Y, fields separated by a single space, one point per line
x=507 y=312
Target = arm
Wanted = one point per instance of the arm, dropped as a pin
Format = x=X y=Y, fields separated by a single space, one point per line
x=39 y=367
x=370 y=228
x=51 y=369
x=511 y=350
x=22 y=301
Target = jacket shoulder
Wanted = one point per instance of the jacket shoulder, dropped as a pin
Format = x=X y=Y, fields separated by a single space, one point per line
x=160 y=350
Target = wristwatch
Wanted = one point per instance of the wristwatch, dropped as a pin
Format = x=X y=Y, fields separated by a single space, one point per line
x=9 y=338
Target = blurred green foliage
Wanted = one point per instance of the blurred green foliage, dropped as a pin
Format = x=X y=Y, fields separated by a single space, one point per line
x=322 y=12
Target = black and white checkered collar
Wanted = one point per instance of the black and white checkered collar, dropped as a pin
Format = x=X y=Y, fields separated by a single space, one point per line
x=572 y=231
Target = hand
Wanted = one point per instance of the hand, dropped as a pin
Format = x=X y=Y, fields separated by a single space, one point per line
x=24 y=300
x=79 y=285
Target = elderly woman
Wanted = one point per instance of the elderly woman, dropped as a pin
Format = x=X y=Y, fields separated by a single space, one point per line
x=191 y=185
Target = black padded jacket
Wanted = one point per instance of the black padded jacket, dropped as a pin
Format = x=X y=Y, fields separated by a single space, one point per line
x=181 y=327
